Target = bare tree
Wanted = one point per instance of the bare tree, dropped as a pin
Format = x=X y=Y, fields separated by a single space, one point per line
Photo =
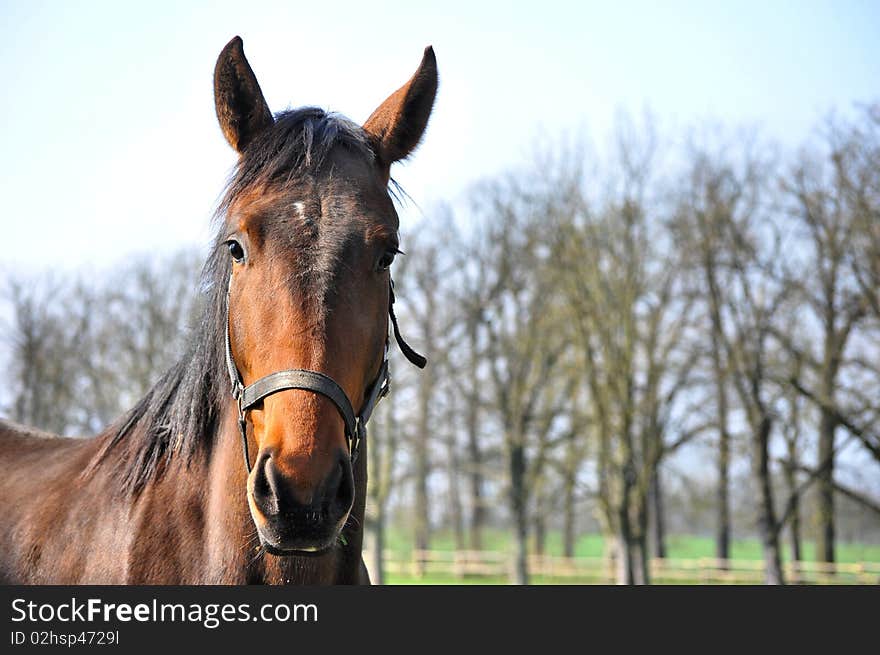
x=43 y=344
x=470 y=297
x=522 y=347
x=630 y=316
x=713 y=197
x=382 y=450
x=84 y=352
x=753 y=304
x=833 y=297
x=792 y=433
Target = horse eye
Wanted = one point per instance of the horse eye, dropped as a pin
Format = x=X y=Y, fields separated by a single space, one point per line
x=236 y=250
x=386 y=260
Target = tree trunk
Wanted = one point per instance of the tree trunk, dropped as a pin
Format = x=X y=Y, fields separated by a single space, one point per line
x=794 y=523
x=792 y=443
x=611 y=556
x=540 y=535
x=825 y=546
x=475 y=479
x=768 y=533
x=422 y=467
x=519 y=510
x=421 y=525
x=569 y=487
x=427 y=282
x=605 y=512
x=569 y=528
x=641 y=570
x=722 y=535
x=540 y=525
x=658 y=523
x=475 y=466
x=380 y=460
x=455 y=509
x=626 y=555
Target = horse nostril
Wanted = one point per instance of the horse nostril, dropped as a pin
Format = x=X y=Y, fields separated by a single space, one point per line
x=266 y=489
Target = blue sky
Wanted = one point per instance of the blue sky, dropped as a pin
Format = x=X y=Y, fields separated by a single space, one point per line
x=111 y=146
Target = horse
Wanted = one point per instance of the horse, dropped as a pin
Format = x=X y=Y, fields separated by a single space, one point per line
x=294 y=337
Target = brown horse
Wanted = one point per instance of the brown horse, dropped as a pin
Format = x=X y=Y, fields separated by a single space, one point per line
x=293 y=340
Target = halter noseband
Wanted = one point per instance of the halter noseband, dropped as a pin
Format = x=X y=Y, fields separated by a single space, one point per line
x=316 y=382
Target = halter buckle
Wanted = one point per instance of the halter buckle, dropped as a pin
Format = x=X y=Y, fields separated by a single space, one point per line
x=355 y=440
x=242 y=426
x=238 y=393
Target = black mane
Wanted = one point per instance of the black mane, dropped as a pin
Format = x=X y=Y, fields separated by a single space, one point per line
x=180 y=414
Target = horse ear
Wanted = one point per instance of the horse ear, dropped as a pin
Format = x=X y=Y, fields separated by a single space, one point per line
x=396 y=127
x=241 y=108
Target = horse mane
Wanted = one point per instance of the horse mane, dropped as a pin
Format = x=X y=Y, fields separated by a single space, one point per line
x=180 y=414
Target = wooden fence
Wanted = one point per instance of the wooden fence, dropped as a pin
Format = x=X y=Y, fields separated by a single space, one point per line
x=492 y=566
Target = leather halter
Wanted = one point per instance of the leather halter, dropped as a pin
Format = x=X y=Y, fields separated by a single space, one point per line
x=316 y=382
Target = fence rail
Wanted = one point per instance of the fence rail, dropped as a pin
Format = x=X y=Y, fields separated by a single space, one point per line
x=464 y=564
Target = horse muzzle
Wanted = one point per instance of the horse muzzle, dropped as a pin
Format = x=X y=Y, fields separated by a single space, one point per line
x=291 y=520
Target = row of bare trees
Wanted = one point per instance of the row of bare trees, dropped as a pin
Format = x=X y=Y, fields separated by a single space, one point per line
x=594 y=316
x=597 y=325
x=80 y=350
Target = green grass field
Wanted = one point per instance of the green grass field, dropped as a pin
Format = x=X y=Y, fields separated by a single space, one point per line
x=679 y=547
x=685 y=547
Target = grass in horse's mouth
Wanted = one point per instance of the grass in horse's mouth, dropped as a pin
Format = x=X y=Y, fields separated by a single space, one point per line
x=307 y=552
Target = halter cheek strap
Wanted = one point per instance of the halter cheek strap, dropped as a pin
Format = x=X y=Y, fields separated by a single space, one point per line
x=316 y=382
x=414 y=357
